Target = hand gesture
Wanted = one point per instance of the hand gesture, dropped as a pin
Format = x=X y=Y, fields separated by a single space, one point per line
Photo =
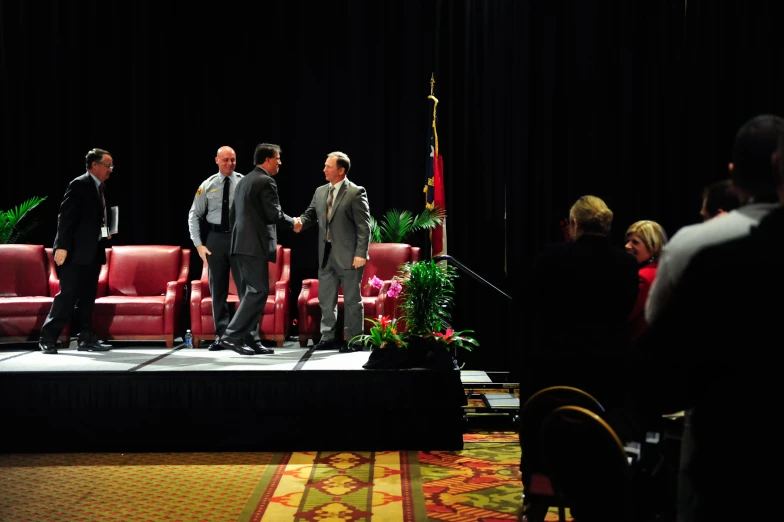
x=297 y=225
x=359 y=262
x=203 y=253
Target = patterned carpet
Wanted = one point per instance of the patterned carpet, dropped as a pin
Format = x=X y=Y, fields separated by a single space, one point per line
x=479 y=483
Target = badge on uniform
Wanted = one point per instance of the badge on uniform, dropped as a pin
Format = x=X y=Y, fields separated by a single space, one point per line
x=198 y=192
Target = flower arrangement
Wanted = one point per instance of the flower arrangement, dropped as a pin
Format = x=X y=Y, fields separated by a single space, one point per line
x=452 y=338
x=382 y=334
x=394 y=289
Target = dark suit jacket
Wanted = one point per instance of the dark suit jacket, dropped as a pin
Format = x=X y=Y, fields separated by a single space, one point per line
x=255 y=213
x=349 y=224
x=79 y=222
x=580 y=295
x=714 y=350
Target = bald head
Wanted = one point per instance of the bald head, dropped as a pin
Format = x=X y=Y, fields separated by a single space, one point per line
x=226 y=160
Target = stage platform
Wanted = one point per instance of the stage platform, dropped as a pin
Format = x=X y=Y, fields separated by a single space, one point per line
x=146 y=397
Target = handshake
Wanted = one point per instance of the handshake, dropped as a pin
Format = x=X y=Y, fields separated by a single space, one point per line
x=297 y=224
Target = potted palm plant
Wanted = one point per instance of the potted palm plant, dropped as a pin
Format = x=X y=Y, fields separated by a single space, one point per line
x=11 y=227
x=396 y=225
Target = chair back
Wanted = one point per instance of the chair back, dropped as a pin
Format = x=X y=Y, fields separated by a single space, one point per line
x=587 y=465
x=143 y=270
x=23 y=271
x=532 y=417
x=384 y=262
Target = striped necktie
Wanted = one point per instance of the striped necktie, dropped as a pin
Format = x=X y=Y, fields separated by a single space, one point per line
x=329 y=208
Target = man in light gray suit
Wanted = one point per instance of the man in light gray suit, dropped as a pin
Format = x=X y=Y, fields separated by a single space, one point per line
x=343 y=215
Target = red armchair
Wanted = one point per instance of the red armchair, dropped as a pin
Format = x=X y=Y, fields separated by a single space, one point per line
x=141 y=292
x=28 y=284
x=276 y=318
x=384 y=261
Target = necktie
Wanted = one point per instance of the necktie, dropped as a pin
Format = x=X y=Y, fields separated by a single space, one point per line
x=103 y=202
x=225 y=205
x=329 y=208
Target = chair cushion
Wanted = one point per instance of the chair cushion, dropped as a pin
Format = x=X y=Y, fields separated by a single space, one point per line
x=24 y=306
x=143 y=270
x=23 y=271
x=206 y=304
x=130 y=305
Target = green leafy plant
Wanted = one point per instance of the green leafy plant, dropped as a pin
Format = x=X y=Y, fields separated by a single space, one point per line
x=383 y=333
x=427 y=296
x=11 y=228
x=396 y=225
x=452 y=338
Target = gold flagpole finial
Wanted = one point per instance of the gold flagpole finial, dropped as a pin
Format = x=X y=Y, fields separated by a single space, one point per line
x=432 y=83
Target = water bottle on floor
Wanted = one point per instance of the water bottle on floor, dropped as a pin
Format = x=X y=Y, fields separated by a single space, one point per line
x=188 y=339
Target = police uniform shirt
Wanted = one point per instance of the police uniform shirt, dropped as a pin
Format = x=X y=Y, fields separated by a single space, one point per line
x=208 y=203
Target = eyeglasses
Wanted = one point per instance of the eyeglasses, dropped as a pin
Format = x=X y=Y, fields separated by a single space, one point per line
x=110 y=167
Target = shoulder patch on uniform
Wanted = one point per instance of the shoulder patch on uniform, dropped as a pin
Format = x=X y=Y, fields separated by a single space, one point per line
x=198 y=192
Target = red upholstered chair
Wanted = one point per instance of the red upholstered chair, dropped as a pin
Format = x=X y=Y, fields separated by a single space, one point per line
x=384 y=262
x=141 y=292
x=276 y=318
x=28 y=284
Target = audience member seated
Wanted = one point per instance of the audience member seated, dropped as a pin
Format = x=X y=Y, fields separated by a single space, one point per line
x=644 y=240
x=580 y=293
x=749 y=170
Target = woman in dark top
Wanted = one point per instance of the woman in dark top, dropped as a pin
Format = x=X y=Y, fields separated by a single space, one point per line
x=580 y=295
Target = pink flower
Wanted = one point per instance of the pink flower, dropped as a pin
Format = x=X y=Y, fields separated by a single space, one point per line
x=376 y=283
x=394 y=289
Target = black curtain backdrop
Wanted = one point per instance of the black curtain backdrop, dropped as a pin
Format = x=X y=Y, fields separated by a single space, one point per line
x=540 y=102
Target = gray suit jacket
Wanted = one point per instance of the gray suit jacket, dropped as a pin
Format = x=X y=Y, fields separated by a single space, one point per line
x=255 y=212
x=349 y=226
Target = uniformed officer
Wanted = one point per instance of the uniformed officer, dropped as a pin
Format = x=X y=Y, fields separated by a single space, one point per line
x=212 y=202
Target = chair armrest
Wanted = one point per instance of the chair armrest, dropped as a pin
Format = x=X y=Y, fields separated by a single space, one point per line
x=195 y=305
x=309 y=291
x=185 y=266
x=171 y=308
x=282 y=301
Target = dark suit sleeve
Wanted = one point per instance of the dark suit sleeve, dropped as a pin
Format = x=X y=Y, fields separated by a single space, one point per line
x=69 y=216
x=309 y=217
x=271 y=205
x=361 y=210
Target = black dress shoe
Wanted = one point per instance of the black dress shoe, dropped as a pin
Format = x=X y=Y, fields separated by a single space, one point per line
x=332 y=344
x=263 y=350
x=239 y=348
x=356 y=346
x=93 y=345
x=214 y=347
x=47 y=347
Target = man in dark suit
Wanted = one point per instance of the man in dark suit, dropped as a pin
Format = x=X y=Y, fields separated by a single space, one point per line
x=82 y=236
x=255 y=212
x=343 y=215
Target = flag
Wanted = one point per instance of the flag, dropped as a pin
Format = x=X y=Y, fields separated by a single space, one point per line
x=434 y=192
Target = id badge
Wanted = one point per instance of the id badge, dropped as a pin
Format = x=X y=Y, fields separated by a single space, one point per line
x=104 y=232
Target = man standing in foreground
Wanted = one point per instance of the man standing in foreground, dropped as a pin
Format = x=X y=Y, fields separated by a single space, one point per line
x=255 y=212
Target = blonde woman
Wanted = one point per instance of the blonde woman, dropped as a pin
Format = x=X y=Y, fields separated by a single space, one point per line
x=644 y=240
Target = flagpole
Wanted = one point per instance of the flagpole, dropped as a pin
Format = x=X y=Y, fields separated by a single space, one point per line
x=435 y=104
